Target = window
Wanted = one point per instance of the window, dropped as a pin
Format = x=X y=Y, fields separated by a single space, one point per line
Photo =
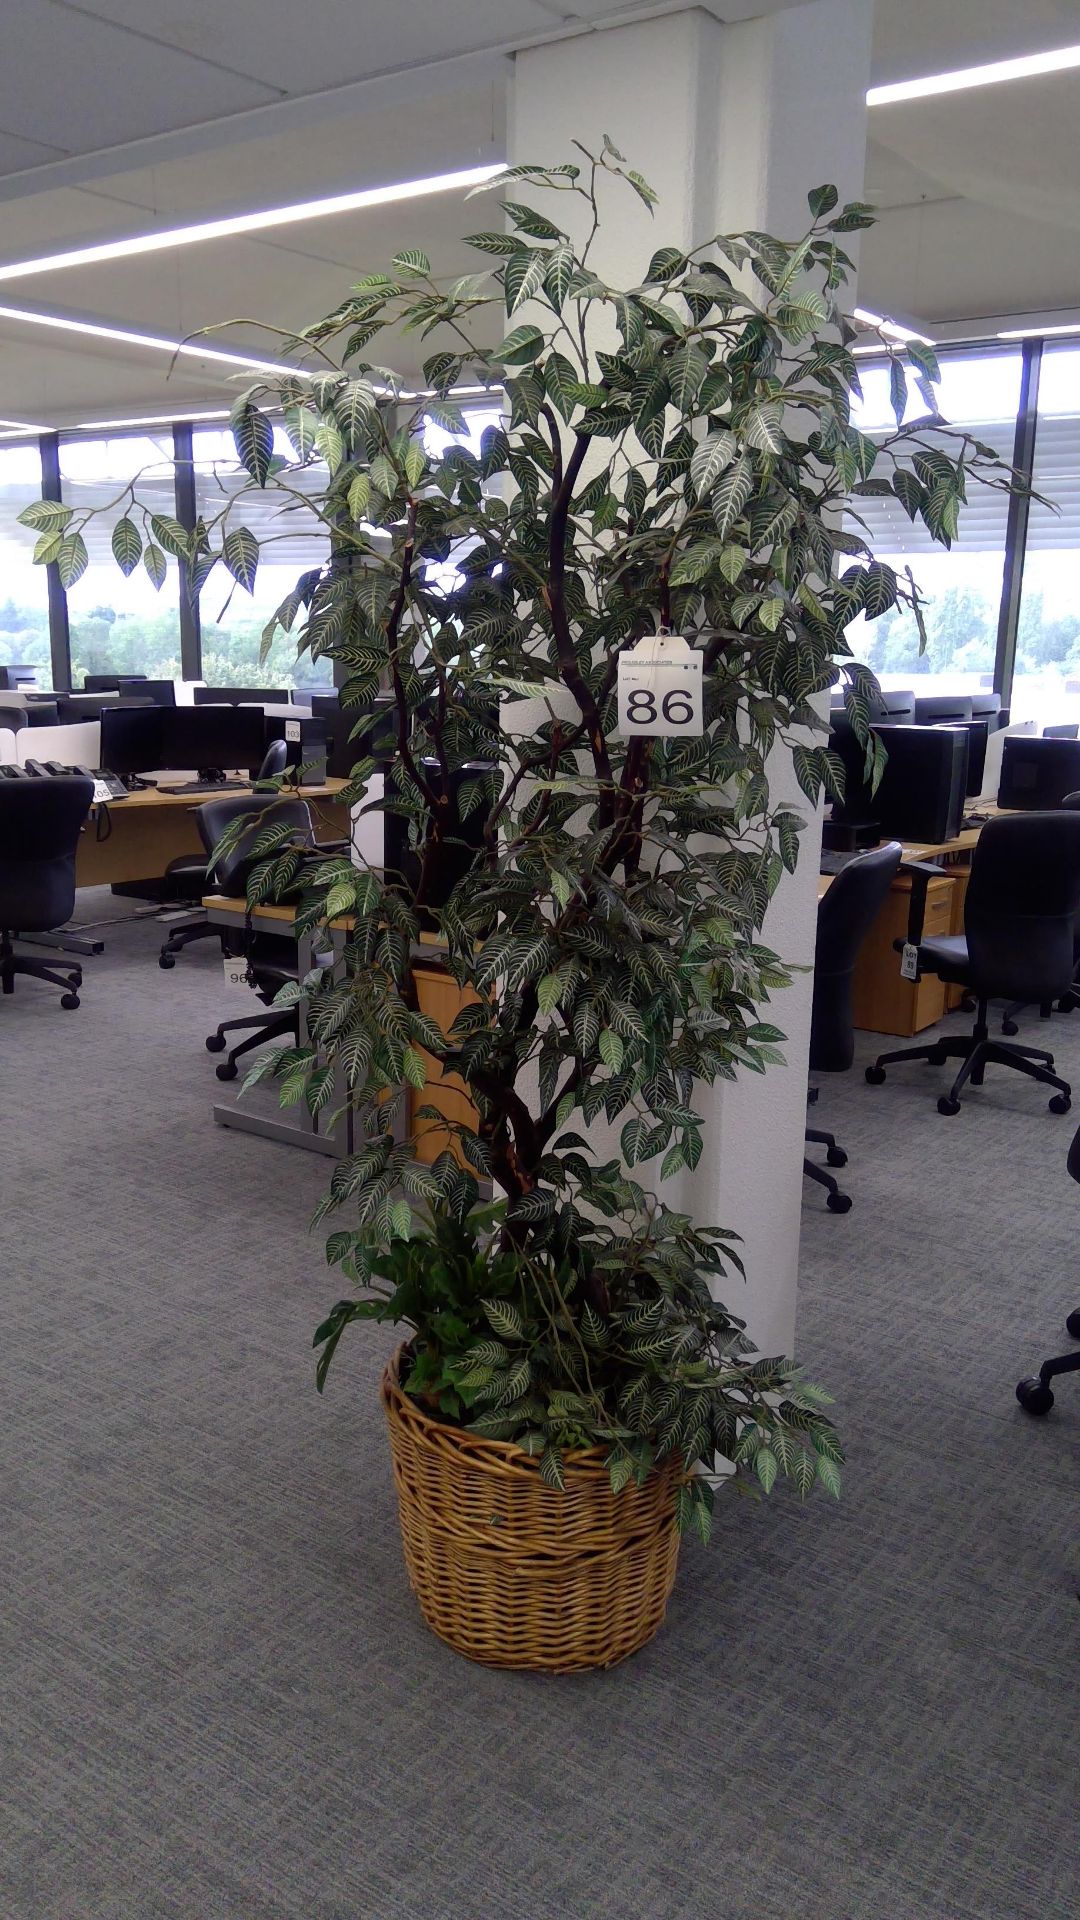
x=961 y=586
x=1046 y=686
x=121 y=625
x=24 y=594
x=292 y=539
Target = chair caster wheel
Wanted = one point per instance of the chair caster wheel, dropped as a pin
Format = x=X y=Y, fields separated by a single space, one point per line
x=1060 y=1103
x=1010 y=1027
x=69 y=1000
x=1067 y=1004
x=948 y=1106
x=228 y=1070
x=215 y=1043
x=1033 y=1396
x=875 y=1076
x=967 y=1004
x=839 y=1203
x=1072 y=1323
x=836 y=1157
x=166 y=960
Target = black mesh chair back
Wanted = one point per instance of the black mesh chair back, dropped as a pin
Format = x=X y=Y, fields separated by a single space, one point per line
x=230 y=875
x=274 y=761
x=40 y=822
x=845 y=916
x=1022 y=902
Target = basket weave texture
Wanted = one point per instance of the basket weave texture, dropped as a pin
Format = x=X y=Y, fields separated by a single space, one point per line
x=514 y=1573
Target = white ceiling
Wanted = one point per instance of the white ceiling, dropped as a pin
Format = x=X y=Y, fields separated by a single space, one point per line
x=119 y=115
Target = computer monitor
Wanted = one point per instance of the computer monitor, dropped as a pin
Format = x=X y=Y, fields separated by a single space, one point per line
x=131 y=740
x=109 y=682
x=1068 y=731
x=978 y=733
x=376 y=741
x=942 y=710
x=237 y=696
x=857 y=805
x=995 y=748
x=212 y=739
x=986 y=705
x=921 y=792
x=894 y=708
x=12 y=678
x=1038 y=773
x=161 y=692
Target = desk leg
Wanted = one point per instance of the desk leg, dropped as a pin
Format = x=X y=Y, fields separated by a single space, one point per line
x=304 y=1130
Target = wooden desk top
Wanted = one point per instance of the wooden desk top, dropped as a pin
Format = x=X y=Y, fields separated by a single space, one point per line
x=152 y=797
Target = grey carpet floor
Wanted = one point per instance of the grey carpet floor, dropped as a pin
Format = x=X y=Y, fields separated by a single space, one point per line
x=217 y=1700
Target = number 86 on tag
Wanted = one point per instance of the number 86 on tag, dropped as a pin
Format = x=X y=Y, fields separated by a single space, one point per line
x=659 y=689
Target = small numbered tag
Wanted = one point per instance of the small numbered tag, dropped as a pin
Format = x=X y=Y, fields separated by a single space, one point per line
x=292 y=730
x=236 y=970
x=101 y=792
x=659 y=691
x=909 y=961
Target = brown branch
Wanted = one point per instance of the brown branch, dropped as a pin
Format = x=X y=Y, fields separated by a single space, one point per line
x=555 y=596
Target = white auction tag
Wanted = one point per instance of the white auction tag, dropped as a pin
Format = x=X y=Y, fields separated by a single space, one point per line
x=292 y=729
x=659 y=689
x=236 y=970
x=102 y=793
x=909 y=961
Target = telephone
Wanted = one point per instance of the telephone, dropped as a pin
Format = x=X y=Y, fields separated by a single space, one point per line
x=9 y=772
x=106 y=784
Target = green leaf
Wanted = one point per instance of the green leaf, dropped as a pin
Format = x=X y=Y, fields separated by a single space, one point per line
x=240 y=552
x=413 y=1067
x=253 y=435
x=72 y=559
x=126 y=545
x=686 y=371
x=154 y=562
x=46 y=547
x=359 y=496
x=523 y=278
x=898 y=394
x=765 y=1465
x=829 y=1474
x=716 y=452
x=45 y=516
x=401 y=1220
x=551 y=1469
x=504 y=1319
x=731 y=493
x=612 y=1049
x=821 y=200
x=497 y=243
x=300 y=424
x=764 y=427
x=527 y=220
x=559 y=274
x=411 y=260
x=520 y=346
x=170 y=535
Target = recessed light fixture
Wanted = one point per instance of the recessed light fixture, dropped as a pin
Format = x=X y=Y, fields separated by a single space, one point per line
x=201 y=230
x=1030 y=333
x=180 y=417
x=98 y=332
x=1025 y=68
x=22 y=426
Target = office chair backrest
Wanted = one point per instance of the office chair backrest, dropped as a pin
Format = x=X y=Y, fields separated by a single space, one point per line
x=845 y=916
x=230 y=875
x=1073 y=1159
x=274 y=761
x=39 y=832
x=1022 y=901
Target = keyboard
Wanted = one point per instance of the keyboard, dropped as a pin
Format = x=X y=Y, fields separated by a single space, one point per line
x=209 y=786
x=835 y=862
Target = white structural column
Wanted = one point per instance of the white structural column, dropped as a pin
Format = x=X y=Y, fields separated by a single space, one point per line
x=732 y=125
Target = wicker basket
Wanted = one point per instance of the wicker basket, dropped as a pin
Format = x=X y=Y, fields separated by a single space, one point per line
x=514 y=1573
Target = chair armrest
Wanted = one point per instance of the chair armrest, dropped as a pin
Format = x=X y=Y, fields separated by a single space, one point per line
x=922 y=872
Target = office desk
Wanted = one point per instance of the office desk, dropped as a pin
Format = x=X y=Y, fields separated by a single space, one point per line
x=438 y=995
x=149 y=829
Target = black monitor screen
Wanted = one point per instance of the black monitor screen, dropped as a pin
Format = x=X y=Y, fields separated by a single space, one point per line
x=212 y=736
x=131 y=739
x=233 y=696
x=110 y=682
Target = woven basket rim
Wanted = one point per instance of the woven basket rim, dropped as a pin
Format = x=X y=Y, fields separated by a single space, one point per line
x=588 y=1460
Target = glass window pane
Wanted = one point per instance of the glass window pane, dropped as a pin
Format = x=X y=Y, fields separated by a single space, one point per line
x=121 y=625
x=24 y=595
x=292 y=539
x=961 y=585
x=1046 y=686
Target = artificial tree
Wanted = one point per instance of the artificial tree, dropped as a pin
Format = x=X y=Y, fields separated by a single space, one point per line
x=674 y=456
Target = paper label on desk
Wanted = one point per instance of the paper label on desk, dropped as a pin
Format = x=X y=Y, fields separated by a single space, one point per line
x=909 y=962
x=236 y=970
x=292 y=730
x=659 y=690
x=101 y=792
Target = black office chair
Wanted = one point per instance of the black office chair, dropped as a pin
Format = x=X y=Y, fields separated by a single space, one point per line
x=1034 y=1394
x=844 y=918
x=1017 y=944
x=187 y=875
x=40 y=823
x=1070 y=999
x=271 y=960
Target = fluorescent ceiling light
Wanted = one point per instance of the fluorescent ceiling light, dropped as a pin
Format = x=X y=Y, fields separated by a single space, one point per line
x=1029 y=333
x=150 y=420
x=153 y=340
x=1028 y=65
x=22 y=426
x=250 y=222
x=890 y=328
